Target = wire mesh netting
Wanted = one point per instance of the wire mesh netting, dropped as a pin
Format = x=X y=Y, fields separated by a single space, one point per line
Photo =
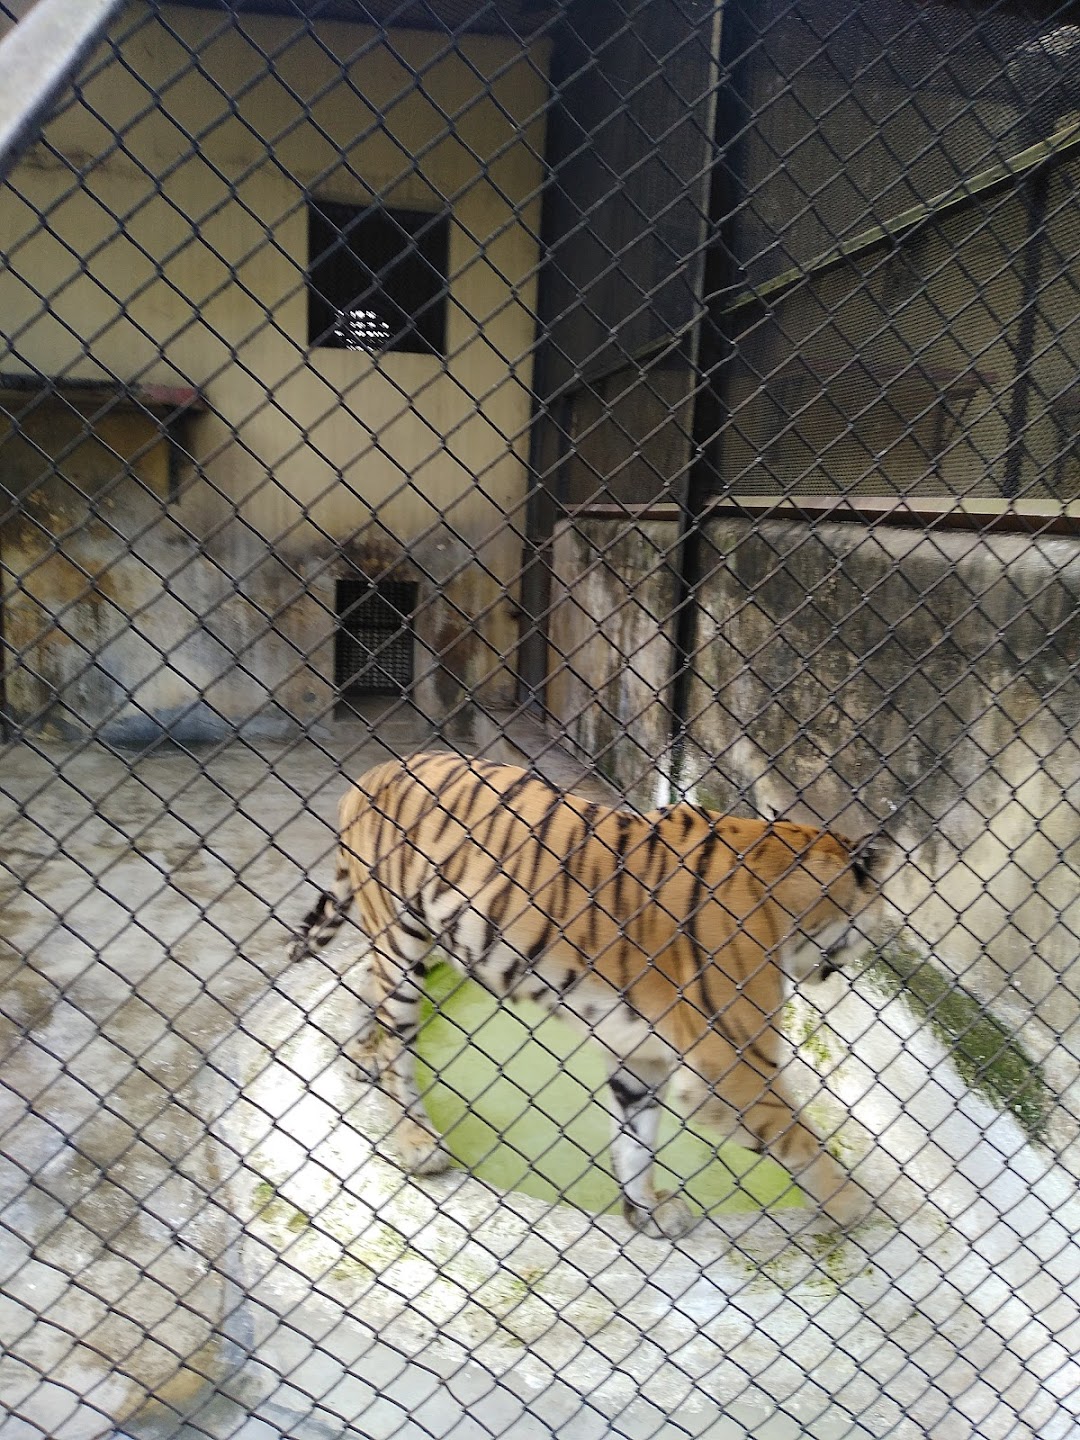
x=624 y=454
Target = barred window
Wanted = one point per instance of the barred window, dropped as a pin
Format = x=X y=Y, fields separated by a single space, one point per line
x=377 y=278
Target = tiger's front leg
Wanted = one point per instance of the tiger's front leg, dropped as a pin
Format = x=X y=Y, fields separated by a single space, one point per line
x=636 y=1093
x=389 y=1042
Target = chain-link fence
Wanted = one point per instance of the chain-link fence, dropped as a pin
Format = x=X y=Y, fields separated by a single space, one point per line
x=675 y=400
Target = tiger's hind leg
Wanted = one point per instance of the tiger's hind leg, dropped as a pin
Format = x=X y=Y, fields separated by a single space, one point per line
x=398 y=971
x=636 y=1092
x=774 y=1123
x=363 y=1046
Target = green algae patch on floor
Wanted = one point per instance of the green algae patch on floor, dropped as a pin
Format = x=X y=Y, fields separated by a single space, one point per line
x=519 y=1098
x=986 y=1054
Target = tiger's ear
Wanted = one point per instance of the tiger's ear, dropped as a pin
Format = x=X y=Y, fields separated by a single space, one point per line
x=874 y=859
x=770 y=812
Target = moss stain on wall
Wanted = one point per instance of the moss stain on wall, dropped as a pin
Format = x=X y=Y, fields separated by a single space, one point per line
x=988 y=1056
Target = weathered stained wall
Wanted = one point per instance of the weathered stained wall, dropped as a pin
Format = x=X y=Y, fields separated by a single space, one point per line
x=923 y=684
x=173 y=261
x=610 y=656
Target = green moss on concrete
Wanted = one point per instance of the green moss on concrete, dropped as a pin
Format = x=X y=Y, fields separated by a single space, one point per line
x=987 y=1056
x=348 y=1270
x=834 y=1263
x=279 y=1213
x=517 y=1098
x=379 y=1246
x=817 y=1041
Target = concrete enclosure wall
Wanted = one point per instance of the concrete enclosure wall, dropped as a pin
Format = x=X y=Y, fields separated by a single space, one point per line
x=920 y=684
x=161 y=259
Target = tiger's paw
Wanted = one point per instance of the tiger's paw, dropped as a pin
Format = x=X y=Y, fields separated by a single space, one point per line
x=848 y=1205
x=419 y=1151
x=371 y=1049
x=669 y=1219
x=363 y=1051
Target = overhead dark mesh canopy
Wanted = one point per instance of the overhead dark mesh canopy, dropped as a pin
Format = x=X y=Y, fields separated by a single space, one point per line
x=904 y=185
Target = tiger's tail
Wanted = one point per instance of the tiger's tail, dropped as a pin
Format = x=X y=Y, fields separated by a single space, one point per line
x=326 y=916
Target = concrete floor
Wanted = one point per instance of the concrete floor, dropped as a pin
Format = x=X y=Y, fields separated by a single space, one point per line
x=200 y=1236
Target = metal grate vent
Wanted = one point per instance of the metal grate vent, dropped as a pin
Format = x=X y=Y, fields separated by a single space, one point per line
x=373 y=653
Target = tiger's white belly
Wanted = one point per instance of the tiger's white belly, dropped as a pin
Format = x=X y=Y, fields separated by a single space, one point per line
x=590 y=1005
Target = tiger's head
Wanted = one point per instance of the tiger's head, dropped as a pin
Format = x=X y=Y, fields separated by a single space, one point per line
x=828 y=889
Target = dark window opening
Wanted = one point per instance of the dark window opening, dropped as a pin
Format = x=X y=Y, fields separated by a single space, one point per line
x=373 y=649
x=377 y=279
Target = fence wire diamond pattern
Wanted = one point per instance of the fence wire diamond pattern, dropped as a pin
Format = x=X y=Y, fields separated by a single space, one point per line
x=661 y=416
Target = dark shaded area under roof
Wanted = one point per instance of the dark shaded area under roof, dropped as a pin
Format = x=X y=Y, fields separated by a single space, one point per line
x=483 y=17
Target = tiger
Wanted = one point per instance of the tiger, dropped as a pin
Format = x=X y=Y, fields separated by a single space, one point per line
x=674 y=938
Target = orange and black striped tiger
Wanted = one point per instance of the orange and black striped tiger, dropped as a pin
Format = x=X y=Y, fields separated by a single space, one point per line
x=674 y=938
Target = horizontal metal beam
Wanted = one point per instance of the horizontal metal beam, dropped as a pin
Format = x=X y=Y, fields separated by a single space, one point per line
x=38 y=59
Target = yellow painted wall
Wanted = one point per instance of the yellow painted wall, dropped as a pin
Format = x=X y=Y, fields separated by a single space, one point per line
x=174 y=253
